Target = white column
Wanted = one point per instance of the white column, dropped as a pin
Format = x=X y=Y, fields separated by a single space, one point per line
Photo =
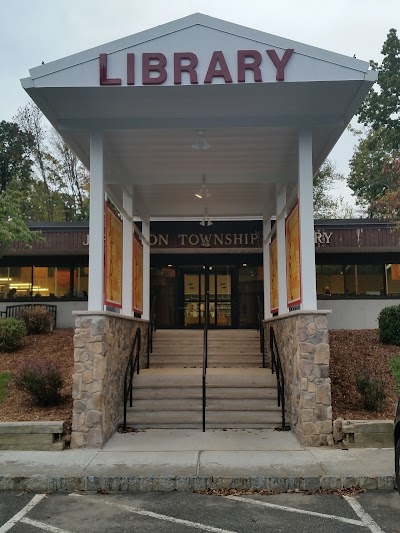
x=96 y=223
x=281 y=244
x=127 y=251
x=306 y=215
x=146 y=269
x=267 y=279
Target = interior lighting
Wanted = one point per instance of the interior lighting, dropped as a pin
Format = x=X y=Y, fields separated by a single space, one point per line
x=200 y=142
x=5 y=279
x=244 y=264
x=203 y=192
x=206 y=221
x=169 y=265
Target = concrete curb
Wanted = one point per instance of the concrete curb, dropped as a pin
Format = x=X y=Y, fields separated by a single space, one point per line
x=43 y=483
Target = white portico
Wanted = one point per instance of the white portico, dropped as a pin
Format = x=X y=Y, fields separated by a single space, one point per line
x=272 y=110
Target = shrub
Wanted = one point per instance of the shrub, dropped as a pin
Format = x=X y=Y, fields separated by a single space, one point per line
x=42 y=380
x=37 y=319
x=373 y=392
x=395 y=368
x=4 y=379
x=389 y=325
x=11 y=332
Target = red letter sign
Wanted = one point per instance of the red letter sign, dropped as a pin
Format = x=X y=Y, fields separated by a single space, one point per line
x=254 y=65
x=280 y=64
x=222 y=72
x=103 y=72
x=148 y=67
x=190 y=68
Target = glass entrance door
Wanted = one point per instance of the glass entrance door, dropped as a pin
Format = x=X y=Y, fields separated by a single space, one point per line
x=219 y=287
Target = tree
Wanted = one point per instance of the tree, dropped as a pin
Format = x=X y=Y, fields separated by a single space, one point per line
x=15 y=150
x=12 y=226
x=325 y=205
x=60 y=191
x=73 y=182
x=379 y=145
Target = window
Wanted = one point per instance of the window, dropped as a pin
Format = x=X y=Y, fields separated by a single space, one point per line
x=364 y=280
x=330 y=279
x=392 y=275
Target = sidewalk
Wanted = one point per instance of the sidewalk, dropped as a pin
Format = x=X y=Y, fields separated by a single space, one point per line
x=187 y=460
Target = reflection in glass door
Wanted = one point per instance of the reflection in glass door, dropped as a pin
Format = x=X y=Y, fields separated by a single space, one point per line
x=219 y=287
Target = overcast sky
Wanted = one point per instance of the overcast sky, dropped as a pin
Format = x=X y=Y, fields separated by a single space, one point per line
x=32 y=31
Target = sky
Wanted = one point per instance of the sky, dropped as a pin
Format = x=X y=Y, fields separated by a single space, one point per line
x=32 y=31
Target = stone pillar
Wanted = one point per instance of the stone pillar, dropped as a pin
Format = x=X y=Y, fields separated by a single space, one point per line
x=102 y=346
x=302 y=339
x=96 y=224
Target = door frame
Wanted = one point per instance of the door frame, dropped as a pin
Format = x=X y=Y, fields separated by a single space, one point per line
x=207 y=271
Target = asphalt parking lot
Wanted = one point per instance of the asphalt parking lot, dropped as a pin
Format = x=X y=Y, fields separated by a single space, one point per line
x=374 y=512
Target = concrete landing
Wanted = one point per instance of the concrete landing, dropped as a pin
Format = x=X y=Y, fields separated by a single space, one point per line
x=187 y=460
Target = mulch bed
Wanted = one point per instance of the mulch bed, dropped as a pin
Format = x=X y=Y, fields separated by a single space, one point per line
x=18 y=405
x=354 y=352
x=351 y=353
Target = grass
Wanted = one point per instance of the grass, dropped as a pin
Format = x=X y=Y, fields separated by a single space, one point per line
x=395 y=368
x=4 y=379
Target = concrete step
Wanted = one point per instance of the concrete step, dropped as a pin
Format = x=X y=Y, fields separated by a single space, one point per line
x=224 y=393
x=189 y=377
x=210 y=365
x=212 y=357
x=186 y=404
x=194 y=418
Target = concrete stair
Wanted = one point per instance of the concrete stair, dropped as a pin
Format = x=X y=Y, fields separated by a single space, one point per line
x=236 y=398
x=226 y=349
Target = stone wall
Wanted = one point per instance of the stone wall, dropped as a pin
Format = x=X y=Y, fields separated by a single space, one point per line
x=102 y=345
x=302 y=339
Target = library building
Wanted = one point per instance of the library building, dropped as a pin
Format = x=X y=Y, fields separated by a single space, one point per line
x=202 y=290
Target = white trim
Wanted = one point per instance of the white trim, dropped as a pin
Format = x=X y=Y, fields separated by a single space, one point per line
x=198 y=19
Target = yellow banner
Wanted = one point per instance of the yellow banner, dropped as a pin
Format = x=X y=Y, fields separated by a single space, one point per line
x=137 y=303
x=113 y=259
x=273 y=275
x=293 y=274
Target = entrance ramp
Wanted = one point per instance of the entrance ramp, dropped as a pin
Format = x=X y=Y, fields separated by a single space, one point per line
x=227 y=348
x=236 y=398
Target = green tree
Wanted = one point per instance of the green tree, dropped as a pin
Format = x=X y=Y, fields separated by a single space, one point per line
x=378 y=149
x=15 y=150
x=325 y=205
x=12 y=226
x=60 y=188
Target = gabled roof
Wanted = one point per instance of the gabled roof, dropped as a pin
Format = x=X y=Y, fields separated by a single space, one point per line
x=252 y=127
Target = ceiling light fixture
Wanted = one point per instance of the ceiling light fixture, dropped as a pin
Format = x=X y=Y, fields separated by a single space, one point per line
x=203 y=192
x=206 y=221
x=200 y=141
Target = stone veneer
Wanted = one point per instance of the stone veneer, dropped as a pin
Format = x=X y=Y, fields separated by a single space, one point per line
x=102 y=345
x=302 y=339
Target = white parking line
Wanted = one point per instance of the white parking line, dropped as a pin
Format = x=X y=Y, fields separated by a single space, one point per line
x=17 y=517
x=294 y=510
x=157 y=516
x=366 y=519
x=42 y=525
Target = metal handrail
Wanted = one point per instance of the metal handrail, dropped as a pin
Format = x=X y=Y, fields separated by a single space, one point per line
x=260 y=316
x=133 y=364
x=205 y=357
x=276 y=368
x=151 y=330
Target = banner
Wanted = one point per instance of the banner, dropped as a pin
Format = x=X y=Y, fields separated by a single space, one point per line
x=273 y=275
x=395 y=272
x=112 y=259
x=137 y=272
x=293 y=272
